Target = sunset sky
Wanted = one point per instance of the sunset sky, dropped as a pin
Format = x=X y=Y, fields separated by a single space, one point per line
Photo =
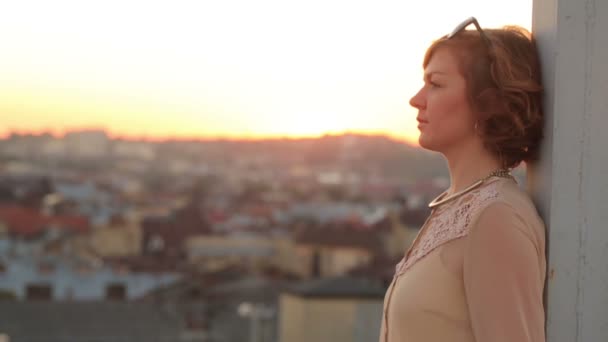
x=224 y=68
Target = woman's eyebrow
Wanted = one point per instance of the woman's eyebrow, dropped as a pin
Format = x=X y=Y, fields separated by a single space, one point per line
x=428 y=75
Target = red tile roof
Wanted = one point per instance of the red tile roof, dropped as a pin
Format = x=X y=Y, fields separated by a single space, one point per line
x=21 y=220
x=26 y=221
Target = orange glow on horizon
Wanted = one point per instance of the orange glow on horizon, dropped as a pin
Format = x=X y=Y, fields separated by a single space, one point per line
x=198 y=137
x=205 y=70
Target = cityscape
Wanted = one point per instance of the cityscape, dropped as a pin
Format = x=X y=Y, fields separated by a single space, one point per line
x=209 y=240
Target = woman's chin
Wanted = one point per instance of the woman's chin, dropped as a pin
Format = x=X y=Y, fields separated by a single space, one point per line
x=424 y=142
x=427 y=144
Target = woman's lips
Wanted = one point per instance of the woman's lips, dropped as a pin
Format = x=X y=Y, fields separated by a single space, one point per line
x=421 y=122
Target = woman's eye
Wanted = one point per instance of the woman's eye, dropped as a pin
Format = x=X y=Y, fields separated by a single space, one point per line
x=432 y=84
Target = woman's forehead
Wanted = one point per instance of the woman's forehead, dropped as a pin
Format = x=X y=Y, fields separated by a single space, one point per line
x=442 y=62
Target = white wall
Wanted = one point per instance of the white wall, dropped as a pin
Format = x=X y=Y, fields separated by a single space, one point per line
x=571 y=182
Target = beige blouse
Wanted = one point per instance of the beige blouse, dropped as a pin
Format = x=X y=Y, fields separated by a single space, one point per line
x=475 y=272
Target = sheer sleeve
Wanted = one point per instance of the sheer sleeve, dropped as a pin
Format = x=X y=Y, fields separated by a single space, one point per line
x=504 y=277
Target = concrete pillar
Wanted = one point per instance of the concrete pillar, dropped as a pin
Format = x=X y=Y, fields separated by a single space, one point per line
x=570 y=184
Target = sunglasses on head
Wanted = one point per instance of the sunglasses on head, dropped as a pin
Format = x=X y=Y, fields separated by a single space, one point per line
x=463 y=25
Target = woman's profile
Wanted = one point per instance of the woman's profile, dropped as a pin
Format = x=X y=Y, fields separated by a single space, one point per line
x=476 y=270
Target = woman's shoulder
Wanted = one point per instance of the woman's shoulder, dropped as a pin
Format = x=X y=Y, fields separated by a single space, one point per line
x=510 y=203
x=513 y=195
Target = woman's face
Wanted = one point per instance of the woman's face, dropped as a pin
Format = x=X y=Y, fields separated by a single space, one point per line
x=445 y=118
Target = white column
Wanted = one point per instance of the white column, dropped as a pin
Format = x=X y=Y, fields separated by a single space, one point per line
x=570 y=184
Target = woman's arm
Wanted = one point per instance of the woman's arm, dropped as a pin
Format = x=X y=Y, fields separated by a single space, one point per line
x=504 y=277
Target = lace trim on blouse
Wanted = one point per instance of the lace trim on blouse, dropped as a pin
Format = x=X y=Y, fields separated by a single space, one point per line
x=448 y=222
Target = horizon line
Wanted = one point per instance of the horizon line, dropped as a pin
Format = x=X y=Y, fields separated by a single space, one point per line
x=202 y=137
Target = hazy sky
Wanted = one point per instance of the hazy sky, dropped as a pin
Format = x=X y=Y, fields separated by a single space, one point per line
x=224 y=68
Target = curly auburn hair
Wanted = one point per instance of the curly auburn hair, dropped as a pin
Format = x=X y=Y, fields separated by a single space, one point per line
x=504 y=89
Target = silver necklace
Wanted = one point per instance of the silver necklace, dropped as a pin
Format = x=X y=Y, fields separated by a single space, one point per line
x=441 y=199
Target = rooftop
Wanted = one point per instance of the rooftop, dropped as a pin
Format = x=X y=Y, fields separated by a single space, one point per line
x=86 y=321
x=339 y=288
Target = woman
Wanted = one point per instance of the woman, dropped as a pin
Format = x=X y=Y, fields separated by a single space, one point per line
x=476 y=270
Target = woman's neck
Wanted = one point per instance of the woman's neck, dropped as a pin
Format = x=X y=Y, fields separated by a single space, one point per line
x=469 y=165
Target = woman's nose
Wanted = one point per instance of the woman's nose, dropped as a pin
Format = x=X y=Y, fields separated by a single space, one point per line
x=417 y=101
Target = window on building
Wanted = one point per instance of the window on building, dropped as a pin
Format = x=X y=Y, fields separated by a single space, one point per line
x=316 y=264
x=195 y=293
x=38 y=292
x=116 y=292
